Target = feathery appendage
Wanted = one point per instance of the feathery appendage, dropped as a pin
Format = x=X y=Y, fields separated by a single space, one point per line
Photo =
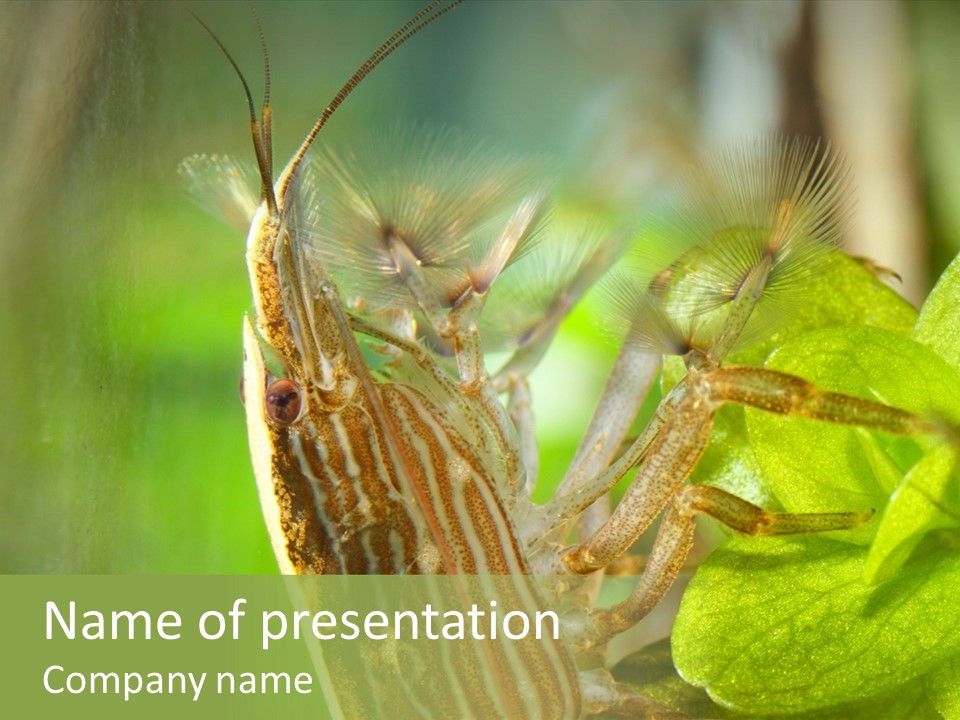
x=742 y=231
x=534 y=295
x=437 y=200
x=222 y=186
x=641 y=319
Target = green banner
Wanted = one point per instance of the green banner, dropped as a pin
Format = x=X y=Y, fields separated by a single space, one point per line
x=354 y=647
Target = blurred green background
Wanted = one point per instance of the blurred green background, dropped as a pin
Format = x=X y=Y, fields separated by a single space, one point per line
x=123 y=445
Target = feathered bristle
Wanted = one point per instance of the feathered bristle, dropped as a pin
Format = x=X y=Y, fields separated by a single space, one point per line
x=446 y=197
x=775 y=198
x=641 y=316
x=223 y=187
x=543 y=287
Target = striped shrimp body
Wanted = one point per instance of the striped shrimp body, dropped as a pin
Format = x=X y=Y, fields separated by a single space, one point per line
x=380 y=441
x=384 y=481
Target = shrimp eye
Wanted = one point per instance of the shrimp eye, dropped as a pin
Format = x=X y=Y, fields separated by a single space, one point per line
x=283 y=401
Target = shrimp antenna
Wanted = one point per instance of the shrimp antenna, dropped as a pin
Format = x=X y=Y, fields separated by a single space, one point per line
x=261 y=128
x=431 y=12
x=262 y=141
x=266 y=136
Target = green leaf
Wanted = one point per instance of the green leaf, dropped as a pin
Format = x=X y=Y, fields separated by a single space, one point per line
x=650 y=673
x=943 y=688
x=815 y=466
x=938 y=326
x=787 y=625
x=928 y=499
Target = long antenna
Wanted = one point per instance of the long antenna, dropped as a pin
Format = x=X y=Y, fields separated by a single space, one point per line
x=261 y=134
x=411 y=28
x=261 y=129
x=266 y=136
